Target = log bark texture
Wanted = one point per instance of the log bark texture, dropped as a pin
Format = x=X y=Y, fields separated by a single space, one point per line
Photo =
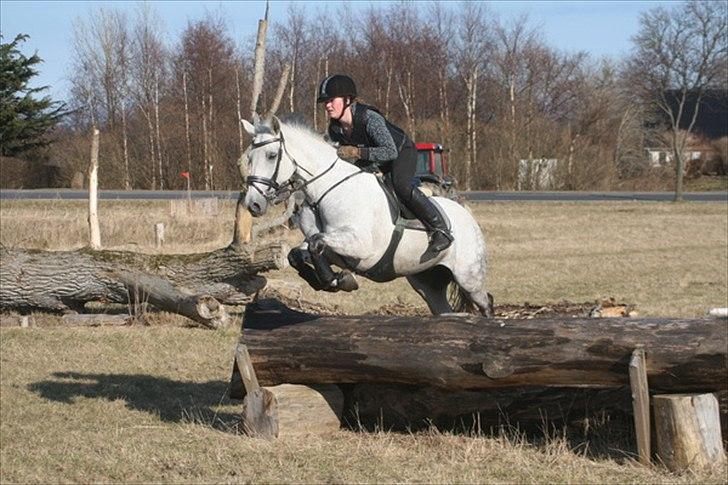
x=467 y=353
x=66 y=280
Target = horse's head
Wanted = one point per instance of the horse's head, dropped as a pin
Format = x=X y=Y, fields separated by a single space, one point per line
x=270 y=168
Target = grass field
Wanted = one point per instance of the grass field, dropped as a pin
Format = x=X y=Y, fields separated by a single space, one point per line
x=147 y=404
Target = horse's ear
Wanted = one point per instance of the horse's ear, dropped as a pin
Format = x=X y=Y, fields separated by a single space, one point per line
x=249 y=128
x=275 y=124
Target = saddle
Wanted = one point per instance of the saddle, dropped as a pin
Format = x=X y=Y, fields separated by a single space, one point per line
x=399 y=213
x=402 y=218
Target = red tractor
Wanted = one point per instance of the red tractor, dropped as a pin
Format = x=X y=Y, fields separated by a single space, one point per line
x=432 y=169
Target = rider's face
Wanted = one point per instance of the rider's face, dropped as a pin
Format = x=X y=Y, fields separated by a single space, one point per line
x=335 y=107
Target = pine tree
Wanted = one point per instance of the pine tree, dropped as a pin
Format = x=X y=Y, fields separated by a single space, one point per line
x=24 y=120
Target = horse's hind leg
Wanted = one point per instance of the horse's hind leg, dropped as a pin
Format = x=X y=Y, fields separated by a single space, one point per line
x=431 y=285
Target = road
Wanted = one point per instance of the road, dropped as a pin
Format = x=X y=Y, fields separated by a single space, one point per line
x=476 y=196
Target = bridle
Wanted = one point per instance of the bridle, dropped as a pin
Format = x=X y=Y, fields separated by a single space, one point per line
x=277 y=193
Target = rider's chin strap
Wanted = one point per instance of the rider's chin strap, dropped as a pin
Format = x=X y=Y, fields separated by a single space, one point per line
x=349 y=102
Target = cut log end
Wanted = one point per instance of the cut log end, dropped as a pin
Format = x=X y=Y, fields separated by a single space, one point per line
x=688 y=431
x=211 y=313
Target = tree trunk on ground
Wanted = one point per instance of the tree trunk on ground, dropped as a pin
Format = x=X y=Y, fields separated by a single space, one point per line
x=180 y=283
x=468 y=353
x=474 y=374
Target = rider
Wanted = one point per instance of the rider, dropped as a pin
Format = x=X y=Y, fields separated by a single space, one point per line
x=371 y=142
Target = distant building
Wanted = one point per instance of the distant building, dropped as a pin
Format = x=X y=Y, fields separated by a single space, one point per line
x=537 y=174
x=701 y=155
x=702 y=151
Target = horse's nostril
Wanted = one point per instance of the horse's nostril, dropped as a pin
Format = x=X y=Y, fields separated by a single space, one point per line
x=255 y=209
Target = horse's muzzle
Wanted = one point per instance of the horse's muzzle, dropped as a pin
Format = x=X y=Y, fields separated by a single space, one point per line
x=256 y=204
x=255 y=209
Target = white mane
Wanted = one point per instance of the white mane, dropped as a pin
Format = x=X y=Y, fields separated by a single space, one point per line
x=306 y=144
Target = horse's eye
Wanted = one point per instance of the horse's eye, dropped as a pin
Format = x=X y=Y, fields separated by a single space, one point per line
x=272 y=155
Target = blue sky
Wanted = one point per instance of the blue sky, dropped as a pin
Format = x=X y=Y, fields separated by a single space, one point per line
x=601 y=28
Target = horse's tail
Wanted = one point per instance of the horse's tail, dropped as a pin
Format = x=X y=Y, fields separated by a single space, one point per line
x=461 y=302
x=459 y=299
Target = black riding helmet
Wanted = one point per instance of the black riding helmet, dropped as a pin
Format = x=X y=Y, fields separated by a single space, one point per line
x=334 y=86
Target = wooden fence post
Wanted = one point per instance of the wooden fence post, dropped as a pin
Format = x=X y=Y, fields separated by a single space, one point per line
x=640 y=404
x=93 y=182
x=159 y=234
x=260 y=407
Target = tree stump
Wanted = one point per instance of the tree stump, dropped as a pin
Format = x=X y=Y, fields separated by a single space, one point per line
x=308 y=409
x=688 y=431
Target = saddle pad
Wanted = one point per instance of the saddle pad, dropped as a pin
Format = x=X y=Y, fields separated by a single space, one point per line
x=401 y=214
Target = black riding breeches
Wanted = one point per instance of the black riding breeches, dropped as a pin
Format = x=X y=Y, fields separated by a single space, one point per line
x=403 y=174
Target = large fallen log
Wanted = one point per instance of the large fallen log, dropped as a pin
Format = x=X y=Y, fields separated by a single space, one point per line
x=467 y=352
x=189 y=284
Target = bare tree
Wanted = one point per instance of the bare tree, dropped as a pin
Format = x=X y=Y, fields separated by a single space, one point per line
x=101 y=72
x=440 y=53
x=474 y=43
x=149 y=67
x=404 y=23
x=678 y=54
x=292 y=38
x=204 y=72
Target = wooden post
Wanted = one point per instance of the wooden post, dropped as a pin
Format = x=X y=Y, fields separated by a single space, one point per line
x=243 y=228
x=688 y=431
x=259 y=68
x=159 y=234
x=640 y=404
x=260 y=407
x=93 y=182
x=304 y=409
x=189 y=194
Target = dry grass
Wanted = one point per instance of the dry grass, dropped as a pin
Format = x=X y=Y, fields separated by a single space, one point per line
x=667 y=259
x=142 y=404
x=145 y=404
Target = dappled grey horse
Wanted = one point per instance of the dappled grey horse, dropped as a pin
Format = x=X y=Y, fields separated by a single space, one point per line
x=346 y=214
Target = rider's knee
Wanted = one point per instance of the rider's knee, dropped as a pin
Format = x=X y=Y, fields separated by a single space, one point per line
x=403 y=190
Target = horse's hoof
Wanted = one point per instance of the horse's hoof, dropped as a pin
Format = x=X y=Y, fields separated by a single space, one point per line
x=345 y=281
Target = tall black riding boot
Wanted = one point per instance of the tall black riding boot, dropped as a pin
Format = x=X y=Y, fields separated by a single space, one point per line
x=438 y=232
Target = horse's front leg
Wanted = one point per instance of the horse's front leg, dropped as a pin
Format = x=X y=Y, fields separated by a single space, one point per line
x=312 y=264
x=345 y=241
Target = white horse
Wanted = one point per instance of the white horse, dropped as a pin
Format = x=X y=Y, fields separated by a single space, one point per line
x=347 y=213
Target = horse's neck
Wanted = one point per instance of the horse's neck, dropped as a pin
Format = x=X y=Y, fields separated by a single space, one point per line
x=318 y=157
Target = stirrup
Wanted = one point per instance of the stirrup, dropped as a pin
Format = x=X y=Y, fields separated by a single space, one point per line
x=438 y=246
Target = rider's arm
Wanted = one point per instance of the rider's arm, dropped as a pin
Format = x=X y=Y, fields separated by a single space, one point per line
x=383 y=149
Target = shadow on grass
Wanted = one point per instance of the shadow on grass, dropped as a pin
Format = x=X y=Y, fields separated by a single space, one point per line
x=593 y=422
x=173 y=401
